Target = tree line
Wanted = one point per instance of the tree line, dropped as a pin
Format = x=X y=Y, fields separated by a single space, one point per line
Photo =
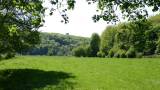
x=125 y=40
x=56 y=44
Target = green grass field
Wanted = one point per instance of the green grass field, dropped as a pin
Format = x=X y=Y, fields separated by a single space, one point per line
x=70 y=73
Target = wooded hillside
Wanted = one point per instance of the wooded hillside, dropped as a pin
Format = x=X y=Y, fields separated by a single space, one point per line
x=56 y=44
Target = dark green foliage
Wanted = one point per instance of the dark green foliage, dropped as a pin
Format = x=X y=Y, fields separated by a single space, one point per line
x=19 y=22
x=151 y=37
x=130 y=9
x=0 y=57
x=71 y=4
x=9 y=55
x=132 y=39
x=87 y=49
x=56 y=44
x=107 y=39
x=111 y=53
x=80 y=52
x=157 y=51
x=94 y=44
x=138 y=39
x=139 y=55
x=100 y=54
x=120 y=53
x=131 y=53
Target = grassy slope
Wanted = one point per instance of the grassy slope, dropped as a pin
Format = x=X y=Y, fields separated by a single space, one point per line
x=49 y=73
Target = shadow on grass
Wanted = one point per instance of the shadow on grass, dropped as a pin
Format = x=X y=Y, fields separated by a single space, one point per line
x=28 y=79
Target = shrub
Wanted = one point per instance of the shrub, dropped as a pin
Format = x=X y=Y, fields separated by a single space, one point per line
x=10 y=55
x=101 y=54
x=131 y=52
x=79 y=52
x=87 y=50
x=111 y=53
x=139 y=55
x=120 y=54
x=116 y=55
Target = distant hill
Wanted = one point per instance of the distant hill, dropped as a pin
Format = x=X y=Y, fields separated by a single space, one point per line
x=56 y=44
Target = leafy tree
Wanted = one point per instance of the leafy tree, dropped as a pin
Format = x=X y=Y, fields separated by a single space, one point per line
x=130 y=9
x=138 y=34
x=101 y=54
x=94 y=44
x=151 y=40
x=132 y=39
x=19 y=22
x=110 y=10
x=107 y=39
x=122 y=37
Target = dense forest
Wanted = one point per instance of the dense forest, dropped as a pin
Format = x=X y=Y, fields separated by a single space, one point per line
x=56 y=44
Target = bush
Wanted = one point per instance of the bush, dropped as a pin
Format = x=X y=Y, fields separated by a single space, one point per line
x=139 y=55
x=101 y=54
x=79 y=52
x=116 y=55
x=120 y=54
x=87 y=51
x=10 y=55
x=131 y=52
x=111 y=53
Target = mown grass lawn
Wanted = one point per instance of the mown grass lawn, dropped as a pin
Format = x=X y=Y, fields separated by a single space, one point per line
x=70 y=73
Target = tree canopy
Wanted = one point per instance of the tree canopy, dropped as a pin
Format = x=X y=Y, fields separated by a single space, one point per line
x=110 y=10
x=19 y=22
x=94 y=44
x=130 y=9
x=132 y=39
